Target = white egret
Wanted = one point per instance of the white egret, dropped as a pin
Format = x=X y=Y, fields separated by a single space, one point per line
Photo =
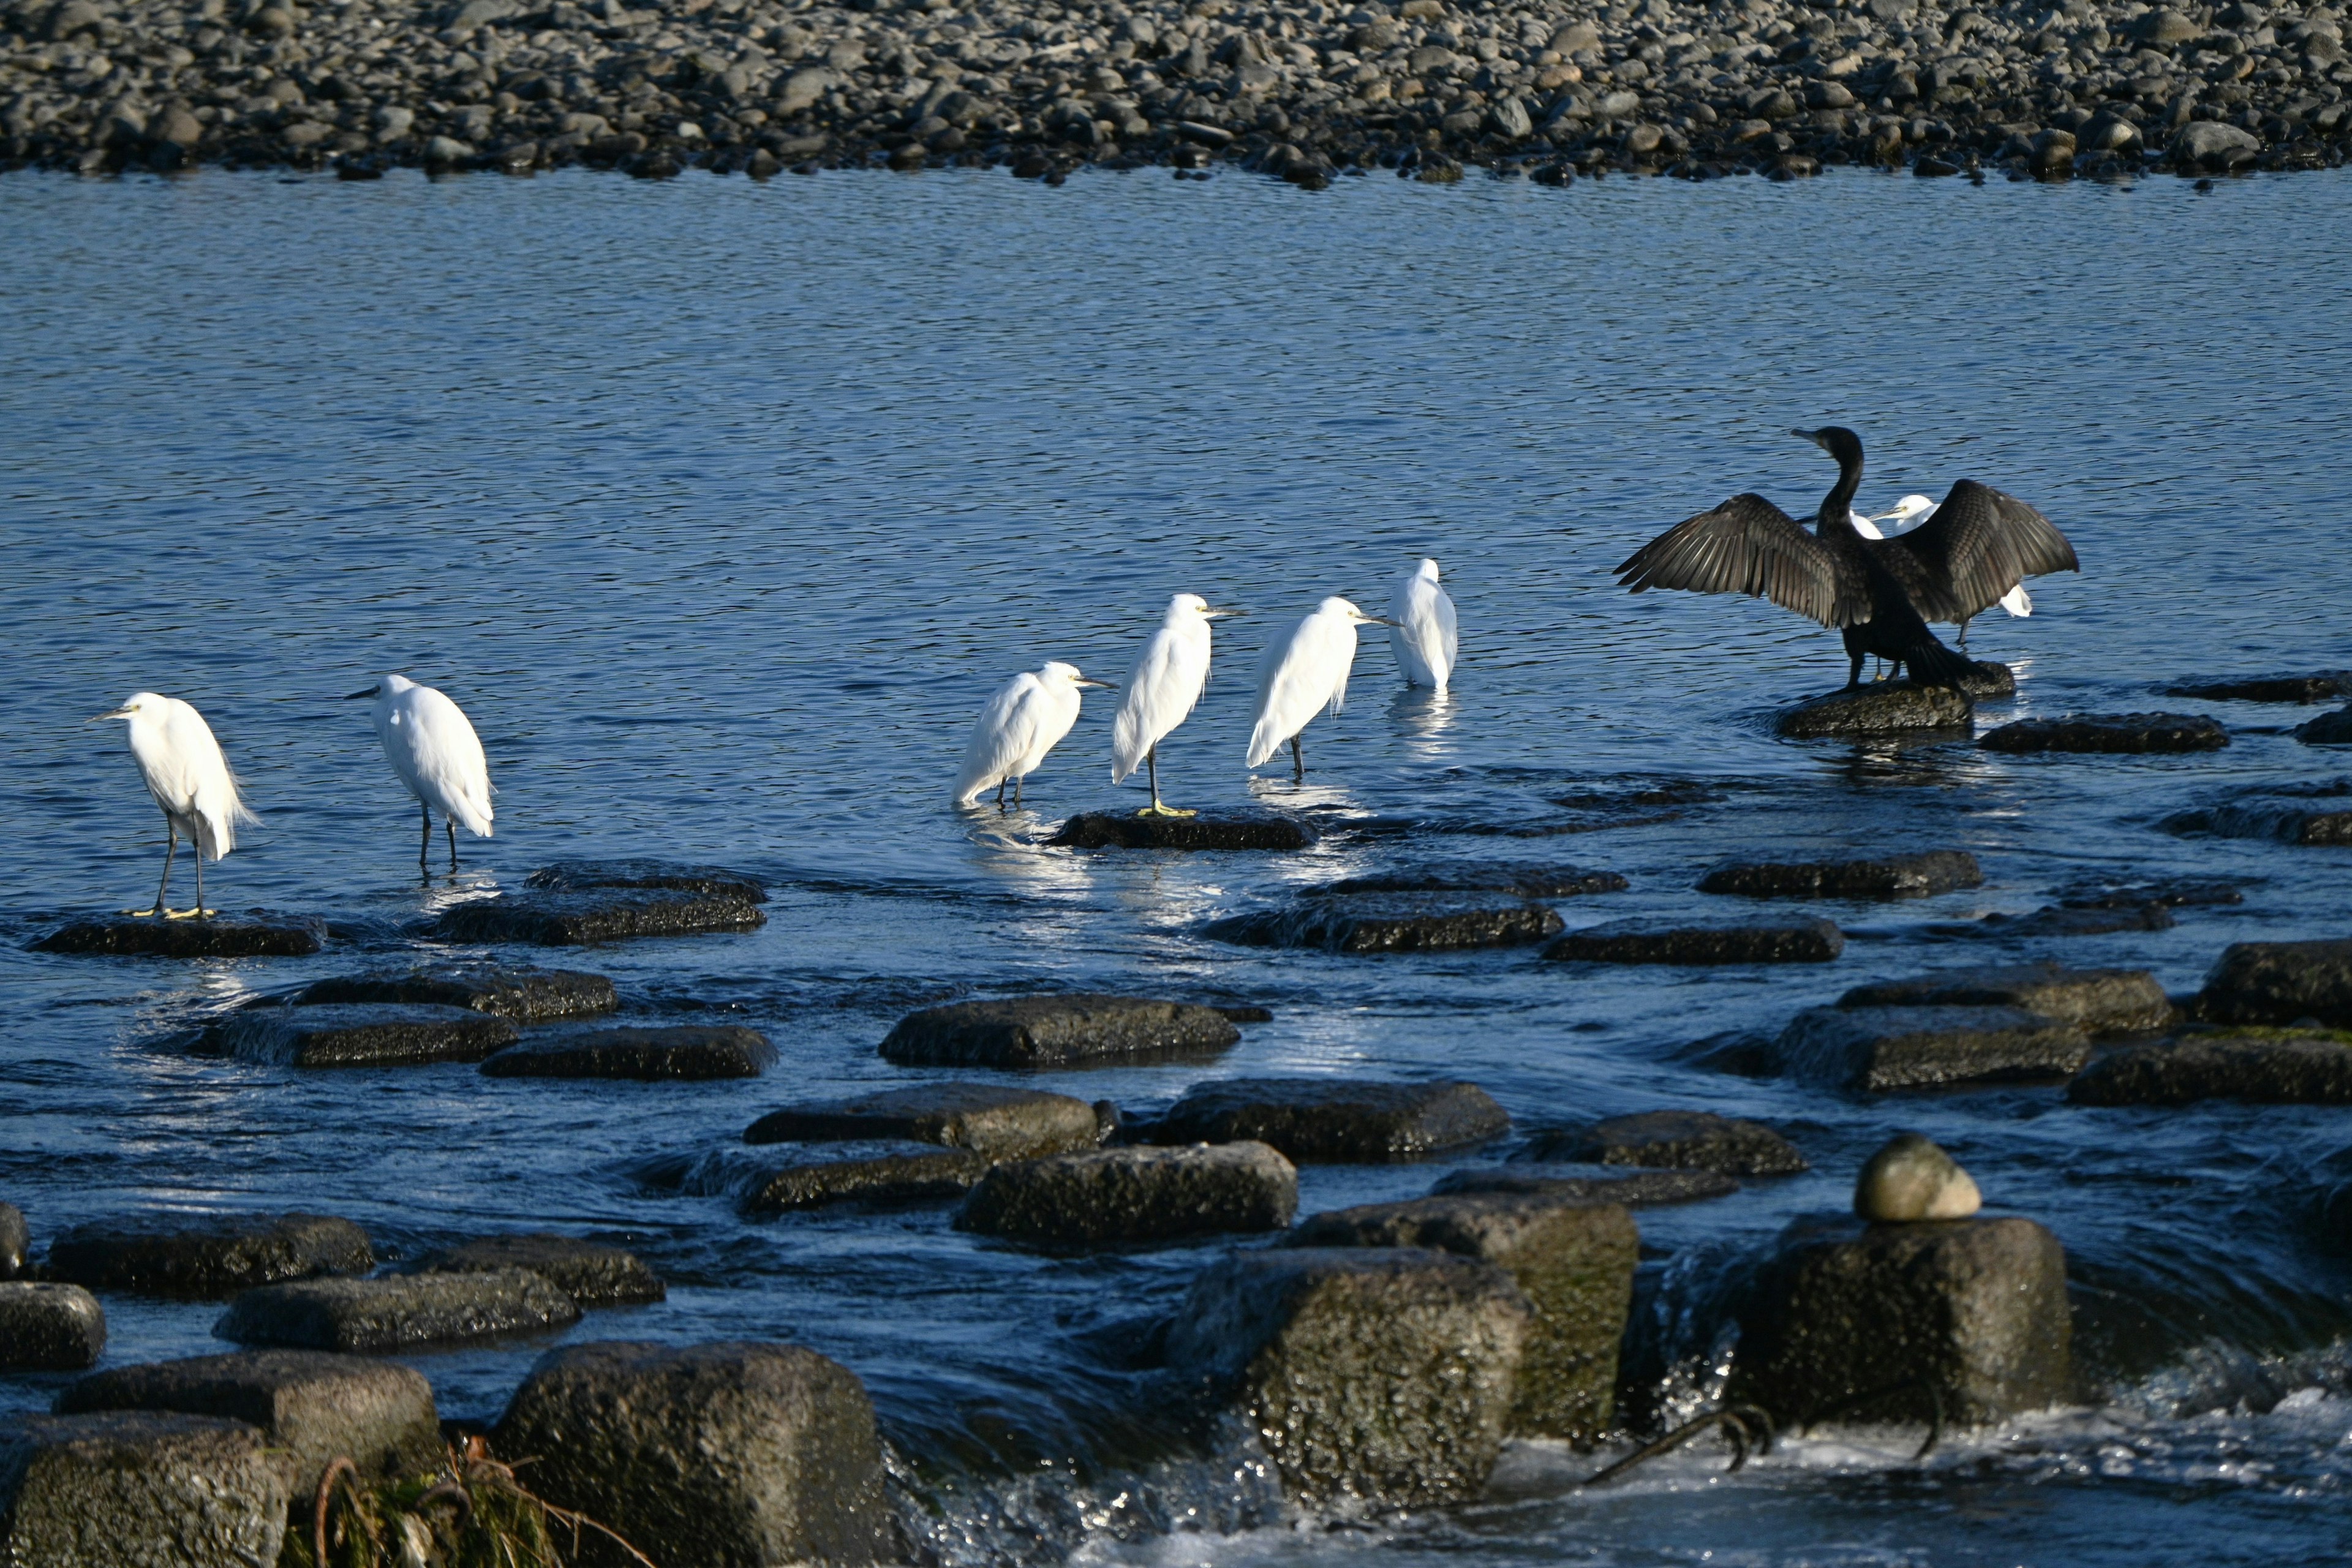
x=1303 y=676
x=190 y=780
x=1166 y=684
x=433 y=748
x=1915 y=512
x=1026 y=719
x=1422 y=629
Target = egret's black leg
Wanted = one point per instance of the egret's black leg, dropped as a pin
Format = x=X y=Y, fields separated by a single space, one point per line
x=424 y=845
x=1016 y=791
x=1964 y=637
x=1000 y=795
x=196 y=848
x=171 y=848
x=453 y=843
x=1151 y=769
x=1297 y=762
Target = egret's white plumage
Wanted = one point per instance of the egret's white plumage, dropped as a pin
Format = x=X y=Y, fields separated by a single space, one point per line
x=1163 y=688
x=1914 y=511
x=1303 y=676
x=189 y=777
x=1024 y=719
x=433 y=748
x=1424 y=634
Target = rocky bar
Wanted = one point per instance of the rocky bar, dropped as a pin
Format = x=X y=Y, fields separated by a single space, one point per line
x=1307 y=92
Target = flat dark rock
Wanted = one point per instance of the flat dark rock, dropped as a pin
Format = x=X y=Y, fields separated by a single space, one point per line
x=1702 y=942
x=2172 y=892
x=117 y=1487
x=522 y=995
x=1873 y=1049
x=2267 y=1067
x=375 y=1316
x=219 y=936
x=878 y=1173
x=1127 y=1196
x=674 y=1053
x=357 y=1034
x=2130 y=732
x=1989 y=681
x=1336 y=1121
x=2097 y=1001
x=2065 y=920
x=2301 y=688
x=1642 y=1190
x=48 y=1327
x=576 y=920
x=2280 y=983
x=2314 y=814
x=207 y=1257
x=589 y=1272
x=1058 y=1030
x=1885 y=708
x=1673 y=1140
x=2328 y=729
x=1518 y=881
x=1390 y=922
x=1114 y=830
x=1915 y=875
x=1002 y=1121
x=586 y=875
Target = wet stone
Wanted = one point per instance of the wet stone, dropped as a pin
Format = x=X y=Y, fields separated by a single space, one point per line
x=1645 y=1190
x=1916 y=876
x=1702 y=942
x=48 y=1327
x=1988 y=680
x=2267 y=1067
x=2131 y=732
x=1573 y=1260
x=2062 y=919
x=126 y=1488
x=998 y=1121
x=587 y=876
x=1886 y=708
x=310 y=1405
x=2314 y=814
x=590 y=1273
x=522 y=995
x=1390 y=922
x=1524 y=883
x=2280 y=983
x=687 y=1053
x=628 y=1434
x=1673 y=1140
x=222 y=936
x=2306 y=690
x=1336 y=1121
x=2328 y=729
x=1874 y=1049
x=1053 y=1031
x=2173 y=893
x=208 y=1258
x=575 y=920
x=1379 y=1375
x=374 y=1316
x=877 y=1172
x=1113 y=830
x=358 y=1034
x=2097 y=1001
x=1135 y=1195
x=15 y=1241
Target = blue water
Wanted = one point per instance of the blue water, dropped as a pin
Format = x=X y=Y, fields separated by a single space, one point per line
x=721 y=507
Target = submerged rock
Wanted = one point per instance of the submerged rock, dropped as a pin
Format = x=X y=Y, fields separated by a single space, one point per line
x=126 y=1488
x=1126 y=1195
x=2065 y=920
x=685 y=1052
x=358 y=1034
x=1000 y=1121
x=1573 y=1260
x=1912 y=1179
x=1336 y=1121
x=2301 y=688
x=2328 y=729
x=374 y=1316
x=1519 y=882
x=2172 y=892
x=1380 y=1375
x=1795 y=941
x=1112 y=830
x=1053 y=1031
x=220 y=936
x=877 y=1173
x=1642 y=1191
x=1885 y=708
x=15 y=1241
x=587 y=876
x=48 y=1327
x=2097 y=1001
x=1673 y=1140
x=1873 y=1049
x=576 y=920
x=2109 y=732
x=730 y=1453
x=2314 y=814
x=523 y=995
x=2280 y=983
x=1390 y=922
x=1915 y=875
x=205 y=1258
x=2267 y=1067
x=589 y=1272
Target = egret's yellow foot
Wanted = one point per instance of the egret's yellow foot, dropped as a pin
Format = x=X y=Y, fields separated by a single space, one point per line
x=1164 y=811
x=144 y=914
x=188 y=914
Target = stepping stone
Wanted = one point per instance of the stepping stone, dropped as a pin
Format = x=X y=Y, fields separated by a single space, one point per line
x=357 y=1034
x=522 y=995
x=372 y=1317
x=862 y=1173
x=2097 y=1001
x=2132 y=733
x=1917 y=875
x=1518 y=881
x=1390 y=922
x=736 y=1453
x=1858 y=1323
x=1002 y=1122
x=2280 y=983
x=587 y=876
x=2328 y=729
x=1114 y=830
x=1885 y=708
x=1128 y=1196
x=48 y=1327
x=126 y=1488
x=2265 y=1067
x=1675 y=1139
x=590 y=1273
x=1872 y=1050
x=2061 y=919
x=2303 y=688
x=15 y=1241
x=309 y=1404
x=2307 y=814
x=1643 y=1191
x=1057 y=1031
x=678 y=1053
x=207 y=1258
x=1699 y=942
x=1336 y=1121
x=220 y=936
x=1572 y=1260
x=1372 y=1375
x=576 y=920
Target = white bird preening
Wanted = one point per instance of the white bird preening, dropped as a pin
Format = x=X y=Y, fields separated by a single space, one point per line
x=1024 y=719
x=189 y=778
x=1162 y=691
x=1305 y=675
x=1422 y=629
x=433 y=748
x=1914 y=511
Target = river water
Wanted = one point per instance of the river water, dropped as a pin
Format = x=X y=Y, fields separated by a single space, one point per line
x=721 y=507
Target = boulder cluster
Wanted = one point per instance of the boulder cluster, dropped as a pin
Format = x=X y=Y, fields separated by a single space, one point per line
x=1305 y=91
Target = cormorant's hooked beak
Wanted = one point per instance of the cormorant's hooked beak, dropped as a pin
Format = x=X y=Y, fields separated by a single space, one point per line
x=1098 y=685
x=103 y=718
x=355 y=696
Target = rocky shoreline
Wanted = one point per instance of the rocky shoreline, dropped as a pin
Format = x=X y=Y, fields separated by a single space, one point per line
x=1307 y=92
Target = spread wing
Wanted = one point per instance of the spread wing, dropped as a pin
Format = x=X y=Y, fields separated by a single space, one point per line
x=1750 y=546
x=1979 y=545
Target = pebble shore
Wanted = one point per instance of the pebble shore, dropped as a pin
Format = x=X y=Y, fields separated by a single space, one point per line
x=1307 y=92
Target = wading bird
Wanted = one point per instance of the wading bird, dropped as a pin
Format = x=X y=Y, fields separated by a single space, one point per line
x=1166 y=684
x=1026 y=719
x=1303 y=676
x=1422 y=629
x=189 y=778
x=433 y=748
x=1915 y=511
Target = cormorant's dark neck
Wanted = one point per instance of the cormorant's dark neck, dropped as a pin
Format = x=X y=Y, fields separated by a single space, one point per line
x=1839 y=502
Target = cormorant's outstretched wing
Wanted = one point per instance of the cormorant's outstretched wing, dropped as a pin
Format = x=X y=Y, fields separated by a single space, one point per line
x=1979 y=544
x=1750 y=546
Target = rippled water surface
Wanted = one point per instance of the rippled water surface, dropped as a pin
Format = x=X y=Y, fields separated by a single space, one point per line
x=721 y=507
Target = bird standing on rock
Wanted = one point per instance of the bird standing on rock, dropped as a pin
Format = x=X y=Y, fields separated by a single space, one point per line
x=432 y=746
x=1162 y=691
x=1024 y=719
x=1305 y=675
x=1422 y=629
x=189 y=777
x=1916 y=511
